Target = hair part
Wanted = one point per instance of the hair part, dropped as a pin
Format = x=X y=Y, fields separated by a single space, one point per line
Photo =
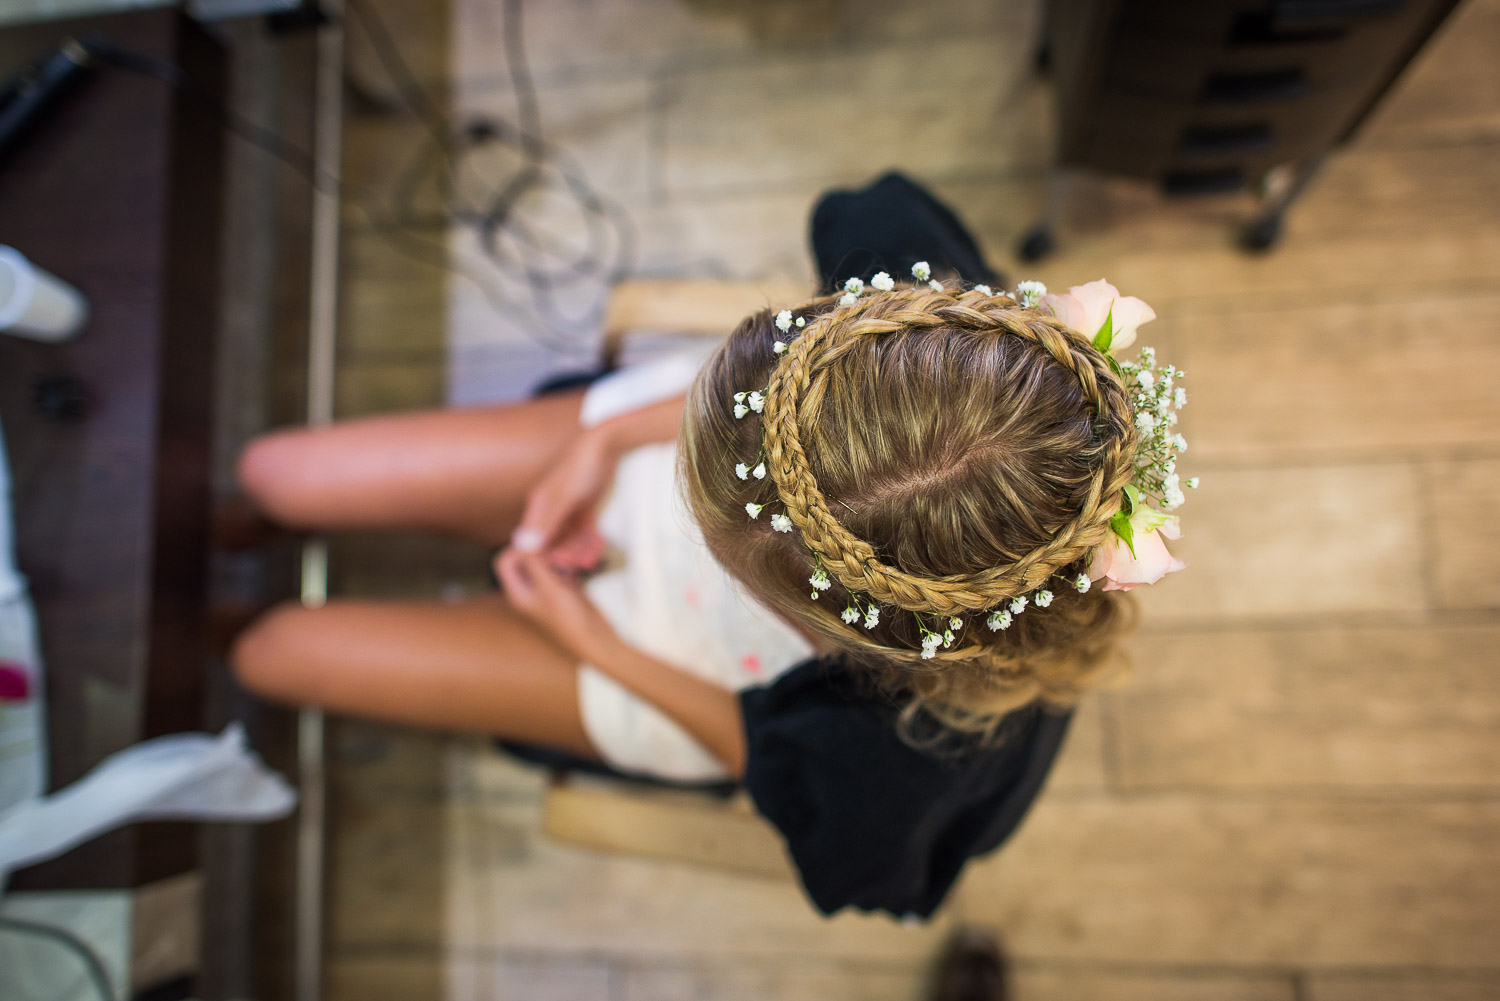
x=938 y=453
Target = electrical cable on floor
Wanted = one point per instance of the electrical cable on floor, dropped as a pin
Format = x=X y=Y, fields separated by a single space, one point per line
x=92 y=964
x=535 y=257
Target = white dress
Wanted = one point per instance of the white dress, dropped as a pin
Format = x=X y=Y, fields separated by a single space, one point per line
x=666 y=595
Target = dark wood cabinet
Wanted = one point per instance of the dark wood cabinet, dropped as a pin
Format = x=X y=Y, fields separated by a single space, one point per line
x=118 y=192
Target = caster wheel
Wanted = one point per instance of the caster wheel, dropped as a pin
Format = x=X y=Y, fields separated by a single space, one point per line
x=1036 y=245
x=1262 y=234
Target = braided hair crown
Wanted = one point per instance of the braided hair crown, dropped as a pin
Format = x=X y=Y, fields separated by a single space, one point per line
x=796 y=387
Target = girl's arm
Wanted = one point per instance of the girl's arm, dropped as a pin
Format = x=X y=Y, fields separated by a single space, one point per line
x=657 y=422
x=557 y=605
x=562 y=502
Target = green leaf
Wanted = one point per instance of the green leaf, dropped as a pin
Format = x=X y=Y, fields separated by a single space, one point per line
x=1106 y=334
x=1132 y=499
x=1120 y=523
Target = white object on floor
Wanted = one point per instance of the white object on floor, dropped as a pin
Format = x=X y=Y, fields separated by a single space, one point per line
x=35 y=303
x=183 y=776
x=22 y=762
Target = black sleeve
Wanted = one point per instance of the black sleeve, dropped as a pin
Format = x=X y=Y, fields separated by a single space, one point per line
x=869 y=820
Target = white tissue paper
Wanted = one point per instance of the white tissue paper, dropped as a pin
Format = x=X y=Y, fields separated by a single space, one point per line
x=183 y=776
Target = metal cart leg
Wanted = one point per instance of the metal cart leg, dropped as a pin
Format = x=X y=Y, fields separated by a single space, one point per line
x=1038 y=243
x=1262 y=232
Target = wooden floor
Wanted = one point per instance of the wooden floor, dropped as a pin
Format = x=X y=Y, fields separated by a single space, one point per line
x=1296 y=797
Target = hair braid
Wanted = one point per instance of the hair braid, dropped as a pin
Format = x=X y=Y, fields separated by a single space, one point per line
x=795 y=390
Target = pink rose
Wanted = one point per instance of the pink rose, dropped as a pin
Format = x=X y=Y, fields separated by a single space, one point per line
x=15 y=683
x=1123 y=572
x=1085 y=308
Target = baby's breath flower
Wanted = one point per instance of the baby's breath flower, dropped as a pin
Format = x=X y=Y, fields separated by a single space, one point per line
x=1029 y=294
x=1043 y=598
x=820 y=579
x=1179 y=399
x=784 y=320
x=1179 y=443
x=936 y=286
x=854 y=286
x=848 y=299
x=955 y=623
x=759 y=472
x=1018 y=604
x=850 y=615
x=1082 y=582
x=753 y=510
x=1191 y=482
x=998 y=621
x=757 y=402
x=872 y=617
x=740 y=397
x=882 y=282
x=779 y=348
x=1145 y=421
x=740 y=410
x=801 y=321
x=1145 y=378
x=781 y=523
x=948 y=638
x=984 y=290
x=742 y=471
x=921 y=271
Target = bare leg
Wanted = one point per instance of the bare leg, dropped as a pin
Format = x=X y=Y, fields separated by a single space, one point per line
x=464 y=472
x=473 y=666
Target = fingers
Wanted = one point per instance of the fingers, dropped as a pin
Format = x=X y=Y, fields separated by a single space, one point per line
x=511 y=569
x=540 y=522
x=580 y=550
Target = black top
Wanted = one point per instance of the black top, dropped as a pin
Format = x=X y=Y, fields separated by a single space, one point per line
x=870 y=820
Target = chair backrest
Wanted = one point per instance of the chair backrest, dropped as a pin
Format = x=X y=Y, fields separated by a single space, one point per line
x=710 y=308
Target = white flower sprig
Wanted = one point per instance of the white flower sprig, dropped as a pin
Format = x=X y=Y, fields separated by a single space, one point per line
x=882 y=282
x=781 y=523
x=1156 y=396
x=921 y=271
x=1029 y=294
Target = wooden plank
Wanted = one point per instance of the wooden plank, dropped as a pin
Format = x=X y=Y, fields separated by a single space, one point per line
x=1465 y=532
x=1290 y=883
x=1404 y=985
x=1040 y=982
x=678 y=827
x=776 y=122
x=1379 y=709
x=434 y=976
x=739 y=980
x=508 y=889
x=1343 y=378
x=1294 y=542
x=1448 y=93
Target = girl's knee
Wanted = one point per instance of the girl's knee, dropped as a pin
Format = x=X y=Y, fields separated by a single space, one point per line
x=265 y=656
x=271 y=471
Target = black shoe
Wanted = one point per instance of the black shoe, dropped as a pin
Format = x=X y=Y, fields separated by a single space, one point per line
x=971 y=967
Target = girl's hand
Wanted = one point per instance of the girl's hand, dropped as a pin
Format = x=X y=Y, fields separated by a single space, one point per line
x=558 y=520
x=553 y=601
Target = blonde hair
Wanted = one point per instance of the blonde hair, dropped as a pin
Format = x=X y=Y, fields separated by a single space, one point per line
x=940 y=453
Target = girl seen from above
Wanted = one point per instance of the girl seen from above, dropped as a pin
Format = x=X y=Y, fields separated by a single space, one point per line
x=861 y=560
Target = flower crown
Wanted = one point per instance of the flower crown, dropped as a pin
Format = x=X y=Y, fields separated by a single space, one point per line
x=1128 y=554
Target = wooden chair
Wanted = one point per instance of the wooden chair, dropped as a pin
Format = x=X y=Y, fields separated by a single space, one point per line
x=659 y=822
